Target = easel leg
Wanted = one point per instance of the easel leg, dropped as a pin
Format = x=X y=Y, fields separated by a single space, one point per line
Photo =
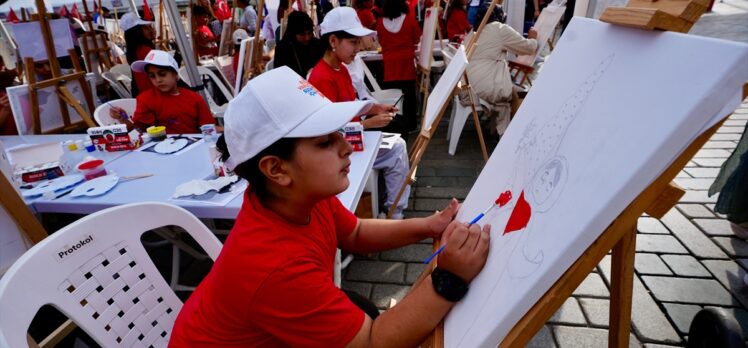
x=65 y=94
x=476 y=120
x=622 y=289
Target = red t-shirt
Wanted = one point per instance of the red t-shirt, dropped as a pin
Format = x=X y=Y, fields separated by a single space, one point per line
x=9 y=127
x=399 y=49
x=141 y=78
x=207 y=33
x=272 y=284
x=336 y=85
x=457 y=24
x=182 y=113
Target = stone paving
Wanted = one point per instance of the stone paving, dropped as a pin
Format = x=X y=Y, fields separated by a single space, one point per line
x=688 y=260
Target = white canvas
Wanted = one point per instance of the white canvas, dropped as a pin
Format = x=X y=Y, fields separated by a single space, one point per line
x=245 y=52
x=49 y=106
x=545 y=26
x=442 y=92
x=427 y=38
x=30 y=41
x=515 y=14
x=606 y=116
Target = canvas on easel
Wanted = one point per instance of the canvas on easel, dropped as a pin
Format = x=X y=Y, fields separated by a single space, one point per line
x=30 y=40
x=572 y=161
x=435 y=106
x=522 y=66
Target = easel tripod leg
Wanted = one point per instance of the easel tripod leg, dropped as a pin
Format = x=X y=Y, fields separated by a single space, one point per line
x=622 y=289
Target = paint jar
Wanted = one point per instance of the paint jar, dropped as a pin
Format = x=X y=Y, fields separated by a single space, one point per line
x=157 y=133
x=90 y=147
x=92 y=168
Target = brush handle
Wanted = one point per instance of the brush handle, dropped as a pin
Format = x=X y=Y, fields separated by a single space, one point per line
x=434 y=254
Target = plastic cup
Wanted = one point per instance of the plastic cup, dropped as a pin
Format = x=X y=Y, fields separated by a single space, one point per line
x=92 y=168
x=157 y=133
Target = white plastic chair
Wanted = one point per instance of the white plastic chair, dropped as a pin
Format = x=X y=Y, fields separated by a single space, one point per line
x=383 y=96
x=97 y=272
x=122 y=69
x=101 y=114
x=460 y=113
x=216 y=109
x=119 y=83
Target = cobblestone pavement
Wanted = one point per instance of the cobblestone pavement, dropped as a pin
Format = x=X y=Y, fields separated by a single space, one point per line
x=688 y=260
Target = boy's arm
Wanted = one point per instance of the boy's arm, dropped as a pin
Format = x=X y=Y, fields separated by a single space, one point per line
x=372 y=235
x=408 y=323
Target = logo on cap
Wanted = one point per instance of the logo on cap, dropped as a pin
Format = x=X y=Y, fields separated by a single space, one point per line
x=150 y=56
x=307 y=88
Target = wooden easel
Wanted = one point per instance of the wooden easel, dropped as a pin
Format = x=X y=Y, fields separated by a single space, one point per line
x=620 y=236
x=419 y=148
x=162 y=42
x=99 y=47
x=256 y=67
x=59 y=81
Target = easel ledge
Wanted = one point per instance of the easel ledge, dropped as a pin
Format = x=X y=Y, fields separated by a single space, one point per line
x=620 y=237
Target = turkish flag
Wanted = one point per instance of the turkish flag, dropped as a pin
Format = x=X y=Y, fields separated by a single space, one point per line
x=64 y=11
x=75 y=13
x=12 y=16
x=147 y=14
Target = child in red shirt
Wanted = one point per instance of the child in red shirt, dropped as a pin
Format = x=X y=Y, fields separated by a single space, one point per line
x=179 y=109
x=399 y=33
x=457 y=21
x=271 y=286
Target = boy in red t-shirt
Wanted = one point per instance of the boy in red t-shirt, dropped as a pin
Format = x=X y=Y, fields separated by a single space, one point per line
x=178 y=109
x=272 y=284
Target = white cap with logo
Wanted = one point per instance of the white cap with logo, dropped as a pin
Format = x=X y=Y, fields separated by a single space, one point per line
x=130 y=20
x=344 y=19
x=281 y=104
x=239 y=35
x=158 y=58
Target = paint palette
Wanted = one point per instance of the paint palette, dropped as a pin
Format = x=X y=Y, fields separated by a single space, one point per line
x=53 y=185
x=170 y=145
x=96 y=187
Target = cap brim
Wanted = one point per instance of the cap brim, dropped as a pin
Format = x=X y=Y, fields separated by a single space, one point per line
x=329 y=118
x=360 y=32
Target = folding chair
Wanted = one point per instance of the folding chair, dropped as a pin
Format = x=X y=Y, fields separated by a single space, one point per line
x=120 y=83
x=204 y=72
x=101 y=114
x=122 y=69
x=97 y=272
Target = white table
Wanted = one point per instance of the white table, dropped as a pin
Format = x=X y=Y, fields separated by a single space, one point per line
x=169 y=171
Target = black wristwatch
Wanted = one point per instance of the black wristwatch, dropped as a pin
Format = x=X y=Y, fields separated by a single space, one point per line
x=448 y=285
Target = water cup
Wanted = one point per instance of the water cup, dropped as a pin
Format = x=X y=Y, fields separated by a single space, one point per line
x=209 y=132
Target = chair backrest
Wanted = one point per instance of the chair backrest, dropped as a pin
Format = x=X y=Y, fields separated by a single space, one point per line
x=371 y=79
x=97 y=272
x=118 y=82
x=122 y=69
x=101 y=114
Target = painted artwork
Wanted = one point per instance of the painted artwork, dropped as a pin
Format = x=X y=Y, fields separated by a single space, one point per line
x=590 y=136
x=427 y=38
x=49 y=106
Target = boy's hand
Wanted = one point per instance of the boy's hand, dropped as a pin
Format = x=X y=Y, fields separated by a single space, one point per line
x=466 y=250
x=116 y=113
x=378 y=121
x=532 y=33
x=439 y=221
x=382 y=108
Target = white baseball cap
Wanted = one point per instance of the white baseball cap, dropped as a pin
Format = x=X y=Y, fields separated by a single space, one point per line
x=280 y=104
x=239 y=35
x=344 y=19
x=158 y=58
x=130 y=20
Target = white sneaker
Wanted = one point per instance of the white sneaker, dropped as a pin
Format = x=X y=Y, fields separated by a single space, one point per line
x=397 y=216
x=382 y=215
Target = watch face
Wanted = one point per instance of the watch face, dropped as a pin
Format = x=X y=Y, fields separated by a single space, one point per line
x=449 y=286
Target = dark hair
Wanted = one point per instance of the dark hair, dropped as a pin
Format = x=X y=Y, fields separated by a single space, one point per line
x=250 y=169
x=298 y=23
x=340 y=34
x=198 y=10
x=394 y=8
x=135 y=38
x=496 y=16
x=245 y=2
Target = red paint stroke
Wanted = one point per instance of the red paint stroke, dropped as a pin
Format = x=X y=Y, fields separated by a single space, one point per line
x=520 y=215
x=504 y=198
